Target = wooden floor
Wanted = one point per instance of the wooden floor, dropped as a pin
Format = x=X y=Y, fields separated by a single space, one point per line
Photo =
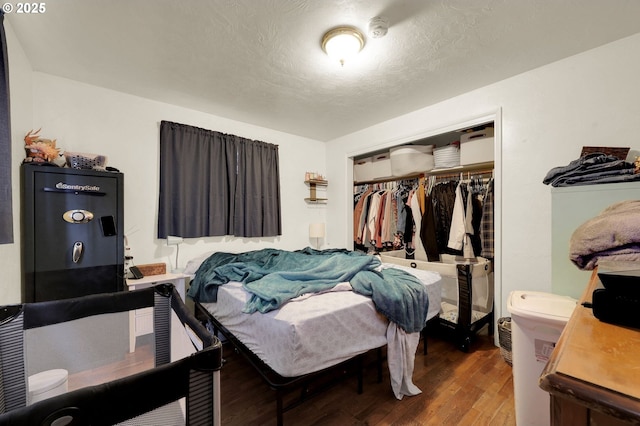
x=474 y=388
x=140 y=360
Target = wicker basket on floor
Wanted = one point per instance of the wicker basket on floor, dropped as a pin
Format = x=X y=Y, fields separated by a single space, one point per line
x=504 y=338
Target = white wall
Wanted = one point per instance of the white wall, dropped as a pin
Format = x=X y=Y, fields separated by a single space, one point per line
x=548 y=114
x=21 y=114
x=91 y=119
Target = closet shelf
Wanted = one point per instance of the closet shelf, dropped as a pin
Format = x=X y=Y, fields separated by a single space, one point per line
x=313 y=184
x=485 y=167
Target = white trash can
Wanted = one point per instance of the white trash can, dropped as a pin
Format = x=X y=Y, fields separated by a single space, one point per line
x=537 y=320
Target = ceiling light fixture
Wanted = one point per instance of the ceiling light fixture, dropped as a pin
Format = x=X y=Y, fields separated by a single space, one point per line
x=342 y=43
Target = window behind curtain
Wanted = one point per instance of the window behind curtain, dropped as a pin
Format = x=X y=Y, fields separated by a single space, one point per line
x=214 y=184
x=6 y=209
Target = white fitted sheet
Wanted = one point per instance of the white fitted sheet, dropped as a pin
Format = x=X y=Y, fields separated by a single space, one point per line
x=312 y=332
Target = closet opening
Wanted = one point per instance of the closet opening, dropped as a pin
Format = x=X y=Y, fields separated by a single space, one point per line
x=392 y=187
x=434 y=200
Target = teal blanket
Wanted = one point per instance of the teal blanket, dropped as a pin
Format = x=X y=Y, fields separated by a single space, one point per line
x=273 y=277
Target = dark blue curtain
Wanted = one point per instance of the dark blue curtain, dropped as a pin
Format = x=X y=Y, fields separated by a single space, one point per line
x=257 y=194
x=6 y=208
x=215 y=184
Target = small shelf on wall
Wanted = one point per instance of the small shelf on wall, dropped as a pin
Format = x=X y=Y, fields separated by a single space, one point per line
x=313 y=190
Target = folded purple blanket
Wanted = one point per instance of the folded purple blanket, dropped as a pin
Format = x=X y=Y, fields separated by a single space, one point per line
x=612 y=235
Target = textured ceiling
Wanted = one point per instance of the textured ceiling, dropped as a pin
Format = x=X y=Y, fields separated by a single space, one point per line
x=260 y=62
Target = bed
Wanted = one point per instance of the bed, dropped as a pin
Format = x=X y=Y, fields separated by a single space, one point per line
x=313 y=331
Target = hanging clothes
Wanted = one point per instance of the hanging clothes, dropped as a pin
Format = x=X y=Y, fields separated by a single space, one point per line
x=428 y=231
x=487 y=223
x=360 y=199
x=403 y=234
x=457 y=227
x=426 y=218
x=376 y=240
x=408 y=228
x=461 y=222
x=478 y=189
x=464 y=234
x=376 y=218
x=467 y=246
x=443 y=199
x=421 y=195
x=388 y=221
x=416 y=213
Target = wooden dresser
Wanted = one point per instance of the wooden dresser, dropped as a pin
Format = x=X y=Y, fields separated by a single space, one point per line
x=593 y=375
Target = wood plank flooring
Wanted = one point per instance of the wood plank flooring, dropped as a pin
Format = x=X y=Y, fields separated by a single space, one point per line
x=474 y=388
x=140 y=360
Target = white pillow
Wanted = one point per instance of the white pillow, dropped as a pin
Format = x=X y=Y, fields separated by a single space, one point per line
x=194 y=264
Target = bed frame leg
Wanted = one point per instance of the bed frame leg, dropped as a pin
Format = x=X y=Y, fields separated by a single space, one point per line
x=380 y=359
x=429 y=325
x=360 y=375
x=279 y=408
x=424 y=341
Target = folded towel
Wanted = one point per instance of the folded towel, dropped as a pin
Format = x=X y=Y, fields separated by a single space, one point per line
x=614 y=234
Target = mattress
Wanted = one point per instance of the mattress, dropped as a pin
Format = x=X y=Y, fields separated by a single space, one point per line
x=312 y=332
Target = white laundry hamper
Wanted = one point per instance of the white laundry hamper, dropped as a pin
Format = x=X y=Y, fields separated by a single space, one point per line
x=537 y=321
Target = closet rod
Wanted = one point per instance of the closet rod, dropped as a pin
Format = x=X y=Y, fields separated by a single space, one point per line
x=476 y=168
x=469 y=173
x=389 y=179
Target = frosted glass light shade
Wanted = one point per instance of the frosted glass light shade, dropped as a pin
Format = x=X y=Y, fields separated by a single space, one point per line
x=316 y=230
x=342 y=43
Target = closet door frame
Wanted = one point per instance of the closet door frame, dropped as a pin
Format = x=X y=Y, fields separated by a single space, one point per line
x=461 y=123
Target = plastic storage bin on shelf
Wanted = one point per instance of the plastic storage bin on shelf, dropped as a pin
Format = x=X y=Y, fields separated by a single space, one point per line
x=381 y=165
x=537 y=320
x=410 y=159
x=363 y=169
x=371 y=168
x=476 y=147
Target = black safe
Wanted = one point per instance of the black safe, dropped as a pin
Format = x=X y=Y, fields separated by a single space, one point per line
x=72 y=232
